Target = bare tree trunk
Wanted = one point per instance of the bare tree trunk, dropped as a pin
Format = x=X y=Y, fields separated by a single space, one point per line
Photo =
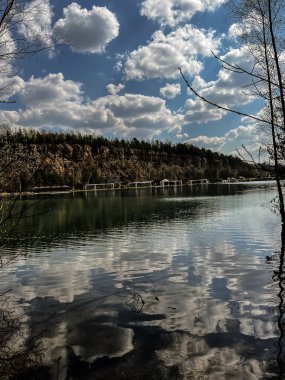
x=280 y=84
x=272 y=116
x=280 y=295
x=263 y=17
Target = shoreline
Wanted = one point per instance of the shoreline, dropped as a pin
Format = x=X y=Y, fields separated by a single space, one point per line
x=19 y=195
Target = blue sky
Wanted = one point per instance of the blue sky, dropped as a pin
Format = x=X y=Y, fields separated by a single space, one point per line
x=117 y=74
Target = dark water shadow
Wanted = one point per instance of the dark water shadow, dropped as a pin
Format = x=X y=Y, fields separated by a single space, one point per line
x=280 y=277
x=21 y=354
x=277 y=364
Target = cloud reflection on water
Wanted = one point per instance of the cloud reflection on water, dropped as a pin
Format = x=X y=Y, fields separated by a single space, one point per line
x=207 y=268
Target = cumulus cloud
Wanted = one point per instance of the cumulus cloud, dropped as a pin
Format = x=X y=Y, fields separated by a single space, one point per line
x=173 y=12
x=198 y=112
x=8 y=49
x=10 y=86
x=250 y=136
x=87 y=31
x=170 y=90
x=114 y=89
x=228 y=90
x=235 y=30
x=37 y=23
x=31 y=25
x=182 y=135
x=51 y=89
x=53 y=102
x=213 y=143
x=166 y=52
x=136 y=115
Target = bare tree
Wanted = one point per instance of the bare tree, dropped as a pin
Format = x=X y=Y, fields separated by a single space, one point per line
x=25 y=30
x=262 y=23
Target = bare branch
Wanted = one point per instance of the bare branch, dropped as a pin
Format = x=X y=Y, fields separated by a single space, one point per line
x=6 y=12
x=241 y=70
x=218 y=105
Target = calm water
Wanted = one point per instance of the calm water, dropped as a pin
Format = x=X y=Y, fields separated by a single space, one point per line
x=153 y=284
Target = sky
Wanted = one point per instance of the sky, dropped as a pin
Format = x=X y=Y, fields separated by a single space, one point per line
x=117 y=73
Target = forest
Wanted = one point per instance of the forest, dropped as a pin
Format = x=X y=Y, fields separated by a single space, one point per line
x=43 y=158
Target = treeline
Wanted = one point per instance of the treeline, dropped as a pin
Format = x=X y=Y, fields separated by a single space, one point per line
x=44 y=137
x=70 y=159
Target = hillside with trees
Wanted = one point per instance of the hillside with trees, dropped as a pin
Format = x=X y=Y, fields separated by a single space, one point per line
x=34 y=158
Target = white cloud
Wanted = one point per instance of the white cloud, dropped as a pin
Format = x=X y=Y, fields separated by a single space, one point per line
x=36 y=21
x=136 y=115
x=53 y=102
x=9 y=83
x=213 y=143
x=10 y=86
x=170 y=91
x=166 y=52
x=114 y=89
x=250 y=25
x=8 y=50
x=33 y=25
x=182 y=135
x=120 y=59
x=258 y=151
x=235 y=30
x=173 y=12
x=197 y=111
x=49 y=102
x=87 y=31
x=50 y=90
x=228 y=90
x=250 y=136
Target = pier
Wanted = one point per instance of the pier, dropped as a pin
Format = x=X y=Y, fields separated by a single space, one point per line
x=167 y=182
x=136 y=184
x=97 y=186
x=140 y=183
x=203 y=181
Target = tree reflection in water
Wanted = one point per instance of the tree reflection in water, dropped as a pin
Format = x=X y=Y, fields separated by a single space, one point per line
x=278 y=364
x=216 y=342
x=280 y=321
x=20 y=354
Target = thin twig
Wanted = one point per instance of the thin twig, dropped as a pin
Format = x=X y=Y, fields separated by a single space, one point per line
x=218 y=105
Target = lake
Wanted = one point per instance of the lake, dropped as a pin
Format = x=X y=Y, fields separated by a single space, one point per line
x=178 y=283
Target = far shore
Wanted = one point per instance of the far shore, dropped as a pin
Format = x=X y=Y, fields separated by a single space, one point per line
x=14 y=195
